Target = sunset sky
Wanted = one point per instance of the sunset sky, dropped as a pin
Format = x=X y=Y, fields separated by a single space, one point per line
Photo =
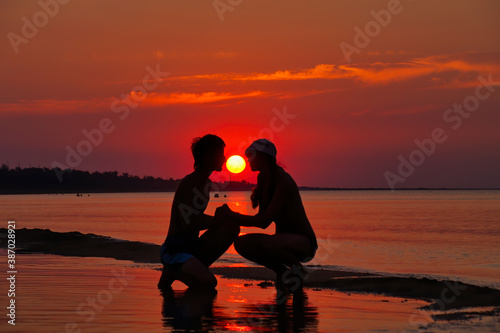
x=246 y=69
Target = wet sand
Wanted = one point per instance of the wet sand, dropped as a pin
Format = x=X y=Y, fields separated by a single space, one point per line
x=443 y=295
x=332 y=300
x=67 y=294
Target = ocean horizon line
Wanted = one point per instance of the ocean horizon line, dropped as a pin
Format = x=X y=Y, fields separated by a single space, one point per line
x=301 y=188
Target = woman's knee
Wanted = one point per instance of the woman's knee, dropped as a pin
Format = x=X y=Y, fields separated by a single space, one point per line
x=241 y=242
x=246 y=243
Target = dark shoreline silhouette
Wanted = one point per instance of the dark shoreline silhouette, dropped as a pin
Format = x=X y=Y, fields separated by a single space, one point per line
x=45 y=181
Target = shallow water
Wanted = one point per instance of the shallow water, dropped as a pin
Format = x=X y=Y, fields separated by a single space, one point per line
x=446 y=233
x=66 y=294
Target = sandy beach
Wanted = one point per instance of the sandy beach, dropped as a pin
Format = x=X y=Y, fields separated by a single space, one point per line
x=71 y=294
x=119 y=293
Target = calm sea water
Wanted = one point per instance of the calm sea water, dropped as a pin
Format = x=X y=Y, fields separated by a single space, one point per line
x=53 y=294
x=446 y=233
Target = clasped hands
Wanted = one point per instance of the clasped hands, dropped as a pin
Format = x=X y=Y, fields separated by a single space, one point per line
x=223 y=211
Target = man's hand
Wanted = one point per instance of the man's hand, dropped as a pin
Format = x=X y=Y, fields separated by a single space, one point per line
x=223 y=211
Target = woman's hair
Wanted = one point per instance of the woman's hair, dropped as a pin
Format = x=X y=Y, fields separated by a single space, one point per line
x=203 y=145
x=257 y=191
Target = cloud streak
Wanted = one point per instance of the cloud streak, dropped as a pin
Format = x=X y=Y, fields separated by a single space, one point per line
x=434 y=72
x=53 y=106
x=160 y=99
x=372 y=73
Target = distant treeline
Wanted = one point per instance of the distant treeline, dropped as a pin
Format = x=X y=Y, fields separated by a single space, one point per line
x=46 y=180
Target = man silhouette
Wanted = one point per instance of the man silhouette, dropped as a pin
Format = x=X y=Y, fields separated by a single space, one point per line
x=185 y=255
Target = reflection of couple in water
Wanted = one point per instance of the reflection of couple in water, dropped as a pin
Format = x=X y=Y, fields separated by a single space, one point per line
x=186 y=256
x=195 y=310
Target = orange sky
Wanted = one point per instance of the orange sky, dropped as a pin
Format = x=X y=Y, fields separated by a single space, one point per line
x=349 y=118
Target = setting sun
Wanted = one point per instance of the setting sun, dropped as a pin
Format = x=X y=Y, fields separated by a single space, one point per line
x=236 y=164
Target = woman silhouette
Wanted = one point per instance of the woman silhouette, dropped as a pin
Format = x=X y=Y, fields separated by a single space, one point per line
x=279 y=201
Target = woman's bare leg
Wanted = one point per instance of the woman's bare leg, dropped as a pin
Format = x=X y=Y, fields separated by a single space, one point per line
x=281 y=253
x=276 y=252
